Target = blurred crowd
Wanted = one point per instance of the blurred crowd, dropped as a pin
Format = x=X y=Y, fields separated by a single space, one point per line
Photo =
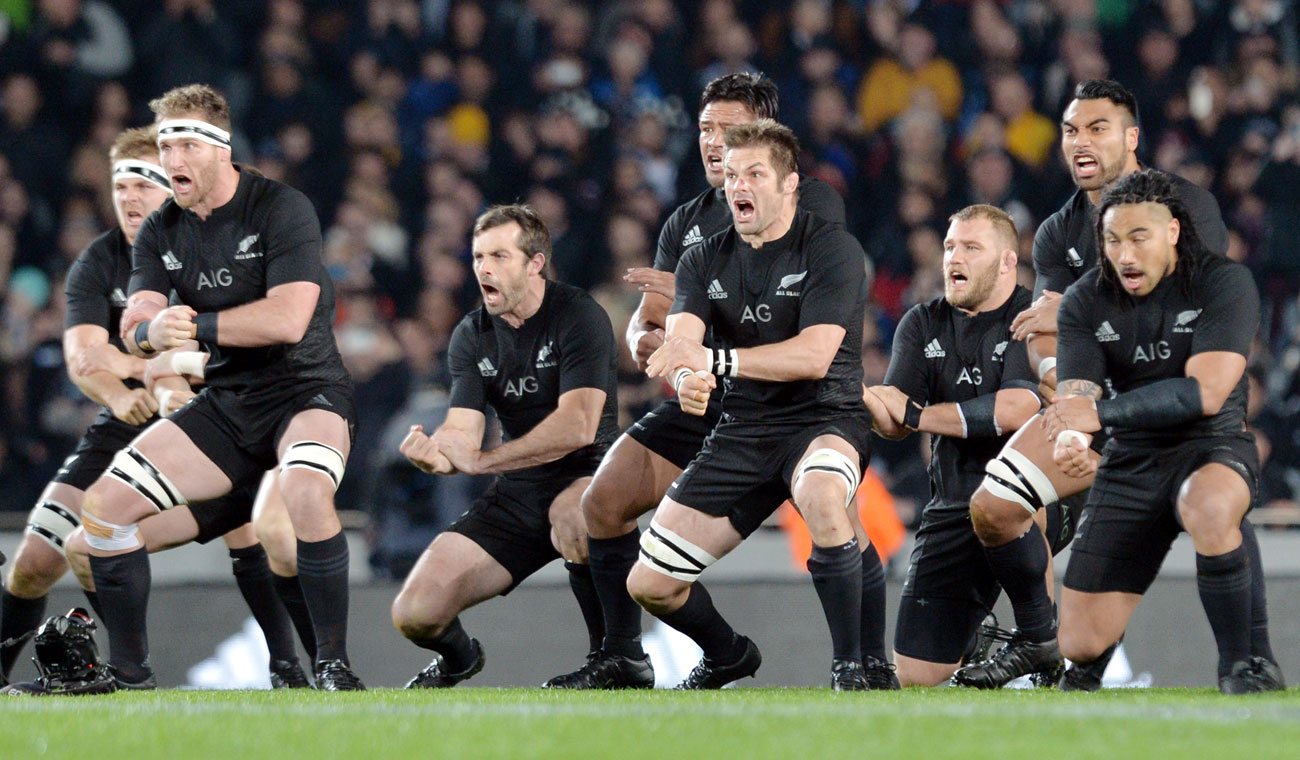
x=403 y=119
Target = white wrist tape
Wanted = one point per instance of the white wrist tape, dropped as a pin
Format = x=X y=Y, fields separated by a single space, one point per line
x=189 y=363
x=1046 y=365
x=164 y=396
x=680 y=375
x=1066 y=438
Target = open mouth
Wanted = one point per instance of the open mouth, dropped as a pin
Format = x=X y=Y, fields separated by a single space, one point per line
x=491 y=295
x=1086 y=165
x=713 y=162
x=742 y=210
x=1132 y=278
x=957 y=279
x=181 y=184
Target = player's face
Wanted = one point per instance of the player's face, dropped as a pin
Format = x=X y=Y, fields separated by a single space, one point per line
x=755 y=189
x=714 y=120
x=972 y=259
x=1097 y=139
x=192 y=166
x=502 y=267
x=1139 y=241
x=134 y=199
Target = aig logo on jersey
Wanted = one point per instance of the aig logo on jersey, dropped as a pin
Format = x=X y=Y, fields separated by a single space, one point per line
x=760 y=313
x=789 y=281
x=1183 y=323
x=1150 y=352
x=521 y=386
x=546 y=356
x=219 y=278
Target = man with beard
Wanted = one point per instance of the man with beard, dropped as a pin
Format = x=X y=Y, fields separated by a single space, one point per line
x=1168 y=326
x=783 y=293
x=1099 y=138
x=542 y=355
x=956 y=375
x=243 y=255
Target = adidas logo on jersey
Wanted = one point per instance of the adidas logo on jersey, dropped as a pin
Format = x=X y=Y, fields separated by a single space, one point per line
x=693 y=237
x=243 y=253
x=934 y=351
x=1073 y=258
x=788 y=281
x=1106 y=333
x=999 y=350
x=485 y=368
x=1183 y=323
x=546 y=356
x=716 y=293
x=118 y=297
x=171 y=262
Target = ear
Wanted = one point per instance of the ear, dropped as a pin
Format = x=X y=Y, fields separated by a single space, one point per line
x=536 y=263
x=1175 y=230
x=1131 y=136
x=1010 y=260
x=790 y=183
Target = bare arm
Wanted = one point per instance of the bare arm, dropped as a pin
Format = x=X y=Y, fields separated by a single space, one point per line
x=806 y=356
x=645 y=330
x=571 y=426
x=142 y=306
x=1012 y=408
x=133 y=406
x=282 y=317
x=1218 y=372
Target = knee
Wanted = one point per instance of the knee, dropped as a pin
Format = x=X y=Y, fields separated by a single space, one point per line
x=78 y=556
x=1207 y=518
x=419 y=616
x=913 y=673
x=304 y=490
x=35 y=569
x=275 y=534
x=1081 y=645
x=656 y=593
x=821 y=500
x=995 y=520
x=607 y=507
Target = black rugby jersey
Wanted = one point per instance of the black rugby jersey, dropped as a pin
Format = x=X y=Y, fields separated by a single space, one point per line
x=1065 y=245
x=267 y=235
x=815 y=274
x=522 y=373
x=707 y=214
x=943 y=355
x=1105 y=335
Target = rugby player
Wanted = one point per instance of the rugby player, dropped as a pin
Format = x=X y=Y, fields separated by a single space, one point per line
x=1168 y=325
x=542 y=354
x=783 y=293
x=956 y=374
x=243 y=255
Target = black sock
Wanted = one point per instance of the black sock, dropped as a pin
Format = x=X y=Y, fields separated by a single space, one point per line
x=1260 y=646
x=611 y=562
x=701 y=621
x=1019 y=566
x=454 y=645
x=1224 y=585
x=873 y=604
x=93 y=598
x=253 y=576
x=290 y=593
x=837 y=576
x=122 y=583
x=323 y=573
x=17 y=616
x=584 y=590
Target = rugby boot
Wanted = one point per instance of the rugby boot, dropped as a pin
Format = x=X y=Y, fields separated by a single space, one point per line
x=713 y=675
x=149 y=683
x=985 y=637
x=288 y=674
x=335 y=675
x=848 y=675
x=1086 y=676
x=1252 y=676
x=1018 y=658
x=607 y=671
x=881 y=675
x=42 y=686
x=435 y=676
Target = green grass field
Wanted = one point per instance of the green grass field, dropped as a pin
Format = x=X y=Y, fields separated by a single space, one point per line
x=741 y=723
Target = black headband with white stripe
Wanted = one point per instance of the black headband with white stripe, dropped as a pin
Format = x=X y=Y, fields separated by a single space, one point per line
x=201 y=130
x=142 y=169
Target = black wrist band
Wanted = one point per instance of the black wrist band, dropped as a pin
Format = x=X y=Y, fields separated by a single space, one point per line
x=205 y=328
x=912 y=417
x=142 y=336
x=979 y=413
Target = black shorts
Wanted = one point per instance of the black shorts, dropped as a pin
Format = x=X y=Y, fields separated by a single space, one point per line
x=1132 y=509
x=217 y=517
x=673 y=434
x=105 y=437
x=744 y=470
x=948 y=590
x=240 y=432
x=511 y=522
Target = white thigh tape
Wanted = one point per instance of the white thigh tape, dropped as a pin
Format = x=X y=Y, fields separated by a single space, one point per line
x=314 y=455
x=108 y=537
x=53 y=522
x=1014 y=477
x=666 y=552
x=835 y=463
x=134 y=469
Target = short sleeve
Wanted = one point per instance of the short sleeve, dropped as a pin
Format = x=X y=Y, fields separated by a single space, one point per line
x=822 y=201
x=147 y=269
x=908 y=371
x=668 y=252
x=1050 y=269
x=692 y=292
x=292 y=248
x=1230 y=318
x=1079 y=355
x=836 y=281
x=587 y=352
x=87 y=290
x=467 y=390
x=1016 y=372
x=1207 y=218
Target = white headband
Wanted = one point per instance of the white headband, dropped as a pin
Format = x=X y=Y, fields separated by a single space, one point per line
x=144 y=170
x=199 y=130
